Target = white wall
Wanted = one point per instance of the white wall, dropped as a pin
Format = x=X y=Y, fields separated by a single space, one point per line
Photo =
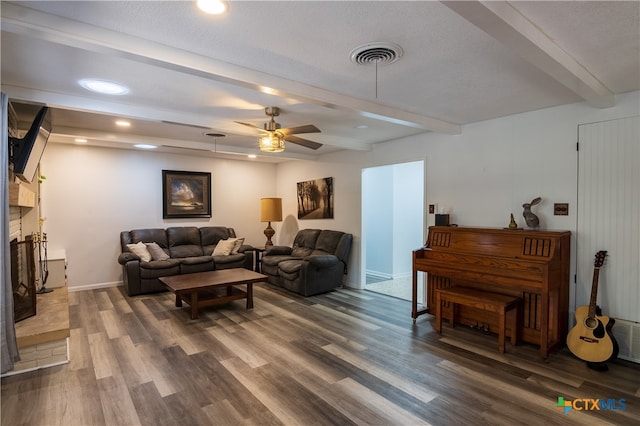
x=92 y=194
x=479 y=176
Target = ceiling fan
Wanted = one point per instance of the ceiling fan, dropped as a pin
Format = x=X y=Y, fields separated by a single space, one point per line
x=275 y=136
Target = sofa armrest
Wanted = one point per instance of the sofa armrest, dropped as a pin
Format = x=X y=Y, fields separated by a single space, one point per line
x=322 y=260
x=245 y=247
x=127 y=257
x=277 y=250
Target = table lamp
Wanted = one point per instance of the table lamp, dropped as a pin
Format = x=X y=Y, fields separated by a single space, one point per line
x=270 y=211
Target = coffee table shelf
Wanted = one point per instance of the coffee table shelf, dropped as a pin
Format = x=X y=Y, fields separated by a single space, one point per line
x=213 y=287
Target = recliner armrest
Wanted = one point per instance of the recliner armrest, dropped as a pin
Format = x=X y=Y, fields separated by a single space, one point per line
x=322 y=260
x=125 y=257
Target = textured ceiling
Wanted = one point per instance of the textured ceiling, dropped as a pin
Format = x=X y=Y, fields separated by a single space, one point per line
x=462 y=62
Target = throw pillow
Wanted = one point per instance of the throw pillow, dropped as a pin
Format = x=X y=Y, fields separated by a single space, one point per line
x=156 y=252
x=140 y=250
x=224 y=247
x=237 y=245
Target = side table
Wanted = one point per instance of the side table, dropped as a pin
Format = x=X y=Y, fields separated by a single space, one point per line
x=257 y=257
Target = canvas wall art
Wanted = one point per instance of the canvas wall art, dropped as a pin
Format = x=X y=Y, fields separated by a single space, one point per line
x=186 y=194
x=315 y=199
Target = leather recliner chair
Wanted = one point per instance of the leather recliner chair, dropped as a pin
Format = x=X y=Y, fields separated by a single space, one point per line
x=316 y=263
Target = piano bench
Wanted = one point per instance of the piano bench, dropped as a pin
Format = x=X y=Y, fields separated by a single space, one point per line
x=501 y=304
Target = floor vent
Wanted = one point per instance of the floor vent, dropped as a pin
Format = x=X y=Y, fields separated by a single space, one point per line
x=627 y=334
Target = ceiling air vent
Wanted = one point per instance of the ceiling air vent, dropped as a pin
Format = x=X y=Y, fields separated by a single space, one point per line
x=376 y=53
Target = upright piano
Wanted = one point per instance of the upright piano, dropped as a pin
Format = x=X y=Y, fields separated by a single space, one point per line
x=533 y=265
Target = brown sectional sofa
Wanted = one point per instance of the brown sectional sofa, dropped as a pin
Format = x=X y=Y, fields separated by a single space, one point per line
x=186 y=249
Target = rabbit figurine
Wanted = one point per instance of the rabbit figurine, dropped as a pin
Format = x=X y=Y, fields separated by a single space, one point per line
x=531 y=219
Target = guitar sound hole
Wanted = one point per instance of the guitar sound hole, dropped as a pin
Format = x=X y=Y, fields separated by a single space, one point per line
x=591 y=322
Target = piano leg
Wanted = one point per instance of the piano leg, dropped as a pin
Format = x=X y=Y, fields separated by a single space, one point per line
x=414 y=296
x=502 y=327
x=438 y=313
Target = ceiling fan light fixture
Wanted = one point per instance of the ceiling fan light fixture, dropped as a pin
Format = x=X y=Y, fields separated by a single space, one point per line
x=212 y=7
x=273 y=142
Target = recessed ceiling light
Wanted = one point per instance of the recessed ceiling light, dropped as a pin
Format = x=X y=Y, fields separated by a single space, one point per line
x=80 y=140
x=252 y=156
x=212 y=7
x=123 y=123
x=103 y=86
x=145 y=146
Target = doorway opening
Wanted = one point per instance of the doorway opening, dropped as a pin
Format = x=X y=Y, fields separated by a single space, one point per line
x=392 y=226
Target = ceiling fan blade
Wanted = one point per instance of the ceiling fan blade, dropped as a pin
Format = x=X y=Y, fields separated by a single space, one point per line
x=302 y=142
x=252 y=126
x=309 y=128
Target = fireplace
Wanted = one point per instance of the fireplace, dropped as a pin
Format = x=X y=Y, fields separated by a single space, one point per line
x=23 y=280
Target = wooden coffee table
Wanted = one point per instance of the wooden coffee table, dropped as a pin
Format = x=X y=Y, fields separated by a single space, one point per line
x=213 y=287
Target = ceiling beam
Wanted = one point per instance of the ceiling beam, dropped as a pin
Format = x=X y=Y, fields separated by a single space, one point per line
x=510 y=27
x=29 y=22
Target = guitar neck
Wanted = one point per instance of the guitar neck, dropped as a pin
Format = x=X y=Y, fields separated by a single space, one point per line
x=594 y=292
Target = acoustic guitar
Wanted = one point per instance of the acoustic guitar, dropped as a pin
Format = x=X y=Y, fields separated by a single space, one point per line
x=591 y=339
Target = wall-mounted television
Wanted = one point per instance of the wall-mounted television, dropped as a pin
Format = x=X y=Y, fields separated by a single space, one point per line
x=28 y=150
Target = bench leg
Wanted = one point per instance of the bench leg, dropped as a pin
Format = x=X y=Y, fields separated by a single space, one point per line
x=452 y=314
x=502 y=330
x=438 y=313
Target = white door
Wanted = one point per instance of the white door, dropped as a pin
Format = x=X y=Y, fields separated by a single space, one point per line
x=608 y=216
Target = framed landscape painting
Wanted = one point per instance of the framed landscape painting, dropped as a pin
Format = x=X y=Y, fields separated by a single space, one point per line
x=315 y=199
x=186 y=194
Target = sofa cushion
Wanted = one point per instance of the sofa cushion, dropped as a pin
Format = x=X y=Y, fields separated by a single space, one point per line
x=237 y=245
x=210 y=235
x=184 y=241
x=306 y=238
x=224 y=247
x=156 y=235
x=275 y=260
x=157 y=253
x=301 y=251
x=328 y=241
x=190 y=265
x=222 y=261
x=269 y=264
x=140 y=250
x=159 y=268
x=194 y=260
x=289 y=269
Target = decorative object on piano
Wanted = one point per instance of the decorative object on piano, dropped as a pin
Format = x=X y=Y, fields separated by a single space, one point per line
x=591 y=339
x=531 y=219
x=442 y=220
x=513 y=224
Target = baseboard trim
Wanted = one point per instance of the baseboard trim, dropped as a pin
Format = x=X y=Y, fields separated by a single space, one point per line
x=94 y=286
x=379 y=275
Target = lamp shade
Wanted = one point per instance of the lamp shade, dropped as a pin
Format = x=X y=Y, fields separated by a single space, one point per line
x=270 y=209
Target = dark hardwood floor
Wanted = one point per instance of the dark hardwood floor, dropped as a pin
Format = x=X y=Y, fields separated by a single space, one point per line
x=346 y=357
